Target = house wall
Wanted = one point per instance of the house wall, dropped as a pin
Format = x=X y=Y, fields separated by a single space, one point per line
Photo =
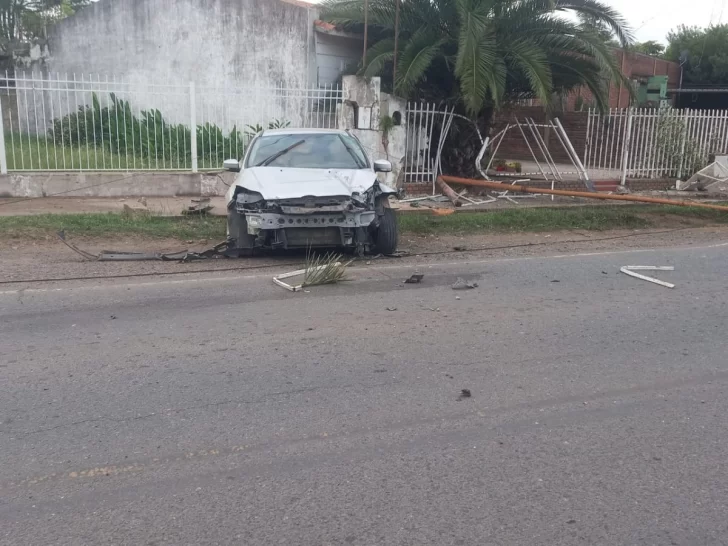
x=223 y=43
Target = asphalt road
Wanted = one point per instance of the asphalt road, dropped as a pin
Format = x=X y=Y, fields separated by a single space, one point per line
x=224 y=410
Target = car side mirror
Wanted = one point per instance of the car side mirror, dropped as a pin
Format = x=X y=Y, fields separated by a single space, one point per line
x=231 y=165
x=382 y=166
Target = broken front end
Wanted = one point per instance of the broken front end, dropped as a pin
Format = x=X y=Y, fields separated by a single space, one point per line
x=360 y=222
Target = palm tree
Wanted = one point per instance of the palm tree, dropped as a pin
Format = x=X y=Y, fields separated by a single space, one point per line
x=481 y=52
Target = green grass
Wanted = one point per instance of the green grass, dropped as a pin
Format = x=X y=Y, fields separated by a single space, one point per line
x=551 y=219
x=104 y=225
x=31 y=152
x=505 y=220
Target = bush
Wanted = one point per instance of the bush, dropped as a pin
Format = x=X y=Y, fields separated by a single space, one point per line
x=148 y=135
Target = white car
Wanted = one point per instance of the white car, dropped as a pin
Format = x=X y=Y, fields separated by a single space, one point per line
x=309 y=188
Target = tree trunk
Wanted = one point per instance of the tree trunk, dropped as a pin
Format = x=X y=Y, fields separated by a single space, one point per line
x=463 y=145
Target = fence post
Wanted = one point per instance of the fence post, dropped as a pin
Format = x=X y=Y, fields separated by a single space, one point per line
x=683 y=139
x=3 y=156
x=193 y=126
x=625 y=146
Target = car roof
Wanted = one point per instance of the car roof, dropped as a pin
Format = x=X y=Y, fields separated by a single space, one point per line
x=289 y=131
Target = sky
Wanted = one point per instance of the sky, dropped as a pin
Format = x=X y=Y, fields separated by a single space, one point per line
x=653 y=19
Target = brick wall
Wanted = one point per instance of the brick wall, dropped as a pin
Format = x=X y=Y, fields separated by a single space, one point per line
x=514 y=147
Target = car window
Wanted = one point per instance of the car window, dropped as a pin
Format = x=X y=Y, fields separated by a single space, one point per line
x=308 y=151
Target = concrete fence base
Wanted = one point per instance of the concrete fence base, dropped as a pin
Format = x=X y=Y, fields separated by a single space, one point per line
x=114 y=184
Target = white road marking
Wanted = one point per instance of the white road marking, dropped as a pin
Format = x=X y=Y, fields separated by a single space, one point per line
x=355 y=269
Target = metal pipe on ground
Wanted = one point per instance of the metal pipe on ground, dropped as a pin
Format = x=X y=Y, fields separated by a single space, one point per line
x=448 y=191
x=567 y=193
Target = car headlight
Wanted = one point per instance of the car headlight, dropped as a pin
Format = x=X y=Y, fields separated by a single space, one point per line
x=254 y=221
x=246 y=197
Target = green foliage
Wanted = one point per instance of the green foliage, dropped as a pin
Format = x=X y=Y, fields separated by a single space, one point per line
x=478 y=53
x=28 y=18
x=149 y=136
x=677 y=149
x=707 y=53
x=252 y=130
x=650 y=47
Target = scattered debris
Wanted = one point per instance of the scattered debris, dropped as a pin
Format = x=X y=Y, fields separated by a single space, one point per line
x=448 y=191
x=567 y=193
x=460 y=248
x=414 y=279
x=605 y=273
x=448 y=376
x=398 y=254
x=199 y=207
x=182 y=256
x=391 y=308
x=465 y=393
x=712 y=178
x=630 y=270
x=87 y=255
x=326 y=269
x=556 y=280
x=113 y=317
x=462 y=284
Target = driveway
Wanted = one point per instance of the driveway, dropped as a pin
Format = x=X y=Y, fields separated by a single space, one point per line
x=221 y=409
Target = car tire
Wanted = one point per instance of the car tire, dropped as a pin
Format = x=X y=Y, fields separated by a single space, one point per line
x=387 y=234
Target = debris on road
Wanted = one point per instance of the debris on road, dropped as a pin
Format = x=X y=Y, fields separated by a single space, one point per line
x=465 y=393
x=462 y=284
x=182 y=256
x=391 y=308
x=630 y=270
x=199 y=207
x=414 y=279
x=326 y=269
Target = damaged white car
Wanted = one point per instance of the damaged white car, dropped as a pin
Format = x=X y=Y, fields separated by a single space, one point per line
x=309 y=188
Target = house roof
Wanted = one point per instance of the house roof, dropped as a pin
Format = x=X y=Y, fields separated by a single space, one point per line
x=327 y=28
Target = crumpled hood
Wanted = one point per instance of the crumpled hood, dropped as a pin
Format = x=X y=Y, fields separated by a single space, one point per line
x=275 y=183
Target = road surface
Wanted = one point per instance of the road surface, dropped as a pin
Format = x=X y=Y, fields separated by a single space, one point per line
x=218 y=409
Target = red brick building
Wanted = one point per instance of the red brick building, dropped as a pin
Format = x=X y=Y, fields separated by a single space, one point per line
x=637 y=67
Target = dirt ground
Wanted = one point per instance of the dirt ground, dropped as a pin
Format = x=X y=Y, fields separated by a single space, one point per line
x=28 y=262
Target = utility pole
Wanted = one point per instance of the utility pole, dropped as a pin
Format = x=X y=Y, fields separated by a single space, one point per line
x=366 y=32
x=396 y=46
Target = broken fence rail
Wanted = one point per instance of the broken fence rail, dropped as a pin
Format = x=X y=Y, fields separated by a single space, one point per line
x=565 y=193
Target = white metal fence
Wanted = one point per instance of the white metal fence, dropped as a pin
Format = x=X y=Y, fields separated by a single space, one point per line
x=99 y=123
x=654 y=143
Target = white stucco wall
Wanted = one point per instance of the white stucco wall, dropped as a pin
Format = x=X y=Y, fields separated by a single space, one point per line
x=258 y=55
x=224 y=43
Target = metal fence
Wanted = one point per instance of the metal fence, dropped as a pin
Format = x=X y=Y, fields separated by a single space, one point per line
x=654 y=143
x=92 y=123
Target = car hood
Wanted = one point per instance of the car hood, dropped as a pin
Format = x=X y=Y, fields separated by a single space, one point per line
x=275 y=183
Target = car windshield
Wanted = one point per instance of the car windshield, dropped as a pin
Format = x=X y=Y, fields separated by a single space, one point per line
x=307 y=151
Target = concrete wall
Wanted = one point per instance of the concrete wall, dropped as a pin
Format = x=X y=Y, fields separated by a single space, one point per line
x=225 y=43
x=79 y=184
x=361 y=113
x=249 y=51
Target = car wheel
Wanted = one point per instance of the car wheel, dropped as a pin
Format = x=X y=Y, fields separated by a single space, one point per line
x=387 y=235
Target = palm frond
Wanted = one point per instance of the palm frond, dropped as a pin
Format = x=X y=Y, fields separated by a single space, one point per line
x=416 y=58
x=377 y=57
x=328 y=268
